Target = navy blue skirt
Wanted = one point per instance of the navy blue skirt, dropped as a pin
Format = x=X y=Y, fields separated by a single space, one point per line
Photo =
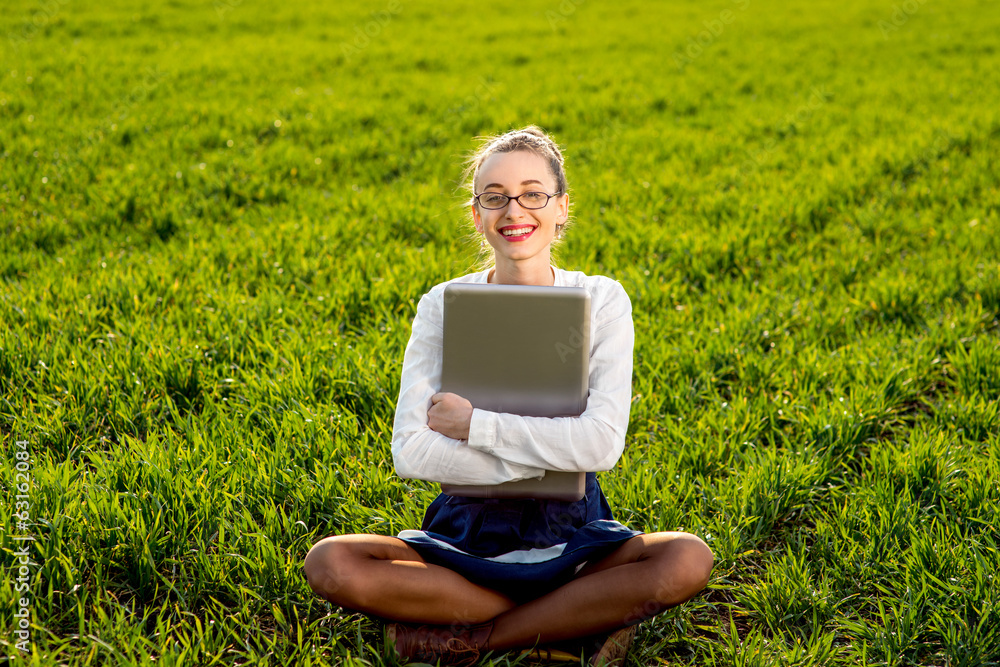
x=522 y=548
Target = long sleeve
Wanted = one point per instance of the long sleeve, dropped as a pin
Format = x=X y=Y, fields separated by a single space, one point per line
x=505 y=447
x=419 y=452
x=592 y=441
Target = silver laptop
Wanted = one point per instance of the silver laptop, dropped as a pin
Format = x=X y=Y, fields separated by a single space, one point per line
x=522 y=350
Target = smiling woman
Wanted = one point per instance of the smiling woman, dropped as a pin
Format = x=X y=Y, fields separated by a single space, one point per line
x=519 y=227
x=519 y=194
x=499 y=574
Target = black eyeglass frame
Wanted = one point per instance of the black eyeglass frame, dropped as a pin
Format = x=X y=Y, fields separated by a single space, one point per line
x=517 y=199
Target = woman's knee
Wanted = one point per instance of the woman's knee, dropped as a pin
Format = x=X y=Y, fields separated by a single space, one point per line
x=342 y=568
x=699 y=559
x=329 y=565
x=685 y=566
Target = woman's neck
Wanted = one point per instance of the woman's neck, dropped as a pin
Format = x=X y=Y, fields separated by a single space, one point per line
x=520 y=274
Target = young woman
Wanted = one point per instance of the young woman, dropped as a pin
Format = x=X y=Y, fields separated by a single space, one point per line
x=491 y=575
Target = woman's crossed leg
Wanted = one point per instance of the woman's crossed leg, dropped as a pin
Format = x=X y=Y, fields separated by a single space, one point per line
x=385 y=577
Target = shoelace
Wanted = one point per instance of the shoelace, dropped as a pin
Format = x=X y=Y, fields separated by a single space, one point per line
x=459 y=651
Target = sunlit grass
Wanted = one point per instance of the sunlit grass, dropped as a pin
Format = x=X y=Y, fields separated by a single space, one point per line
x=217 y=221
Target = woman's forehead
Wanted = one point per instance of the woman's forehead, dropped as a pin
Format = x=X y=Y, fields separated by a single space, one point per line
x=514 y=169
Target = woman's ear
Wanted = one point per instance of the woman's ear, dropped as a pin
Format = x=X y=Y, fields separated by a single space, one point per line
x=476 y=219
x=563 y=211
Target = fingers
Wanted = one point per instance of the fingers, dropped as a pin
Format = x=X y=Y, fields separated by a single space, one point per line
x=450 y=415
x=443 y=396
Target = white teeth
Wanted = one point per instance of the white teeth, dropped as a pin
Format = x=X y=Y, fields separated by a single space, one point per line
x=518 y=232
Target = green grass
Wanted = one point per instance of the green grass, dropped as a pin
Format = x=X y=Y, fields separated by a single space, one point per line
x=217 y=218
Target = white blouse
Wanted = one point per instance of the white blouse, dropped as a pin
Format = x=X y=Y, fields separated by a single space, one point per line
x=505 y=447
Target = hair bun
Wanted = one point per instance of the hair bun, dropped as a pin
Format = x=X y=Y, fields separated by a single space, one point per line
x=531 y=129
x=530 y=138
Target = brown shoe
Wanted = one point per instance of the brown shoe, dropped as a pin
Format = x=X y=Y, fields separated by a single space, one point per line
x=430 y=643
x=614 y=649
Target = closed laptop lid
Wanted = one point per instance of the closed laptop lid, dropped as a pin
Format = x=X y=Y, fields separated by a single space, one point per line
x=518 y=349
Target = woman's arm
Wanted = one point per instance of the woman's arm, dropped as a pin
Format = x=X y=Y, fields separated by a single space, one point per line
x=591 y=442
x=419 y=452
x=504 y=447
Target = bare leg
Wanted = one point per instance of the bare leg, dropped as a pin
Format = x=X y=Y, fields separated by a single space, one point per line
x=644 y=576
x=386 y=577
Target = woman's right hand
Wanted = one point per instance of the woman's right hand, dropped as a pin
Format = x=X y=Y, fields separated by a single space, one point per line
x=450 y=415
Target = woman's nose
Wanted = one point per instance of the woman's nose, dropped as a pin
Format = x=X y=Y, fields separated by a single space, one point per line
x=514 y=209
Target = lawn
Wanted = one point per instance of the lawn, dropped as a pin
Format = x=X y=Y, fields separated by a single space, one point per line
x=217 y=217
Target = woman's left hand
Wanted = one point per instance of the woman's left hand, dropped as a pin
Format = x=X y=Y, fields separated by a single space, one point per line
x=450 y=415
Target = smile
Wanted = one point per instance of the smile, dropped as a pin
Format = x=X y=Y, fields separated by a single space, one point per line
x=517 y=233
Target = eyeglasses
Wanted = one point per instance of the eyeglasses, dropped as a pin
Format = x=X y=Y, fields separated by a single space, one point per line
x=528 y=200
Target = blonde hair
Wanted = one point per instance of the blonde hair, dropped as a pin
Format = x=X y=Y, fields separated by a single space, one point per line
x=532 y=139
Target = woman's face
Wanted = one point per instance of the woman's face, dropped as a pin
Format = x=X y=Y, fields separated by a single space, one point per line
x=517 y=233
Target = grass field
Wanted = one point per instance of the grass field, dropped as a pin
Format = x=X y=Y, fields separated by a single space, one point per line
x=218 y=215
